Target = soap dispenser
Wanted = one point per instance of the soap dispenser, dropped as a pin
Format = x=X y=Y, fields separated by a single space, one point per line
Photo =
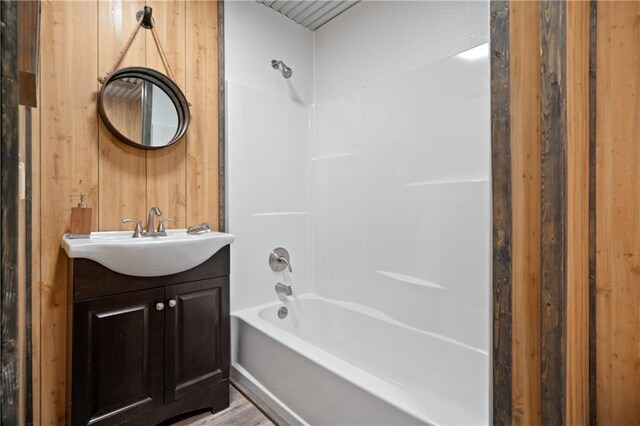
x=80 y=219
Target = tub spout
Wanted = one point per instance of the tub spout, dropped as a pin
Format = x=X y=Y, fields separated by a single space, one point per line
x=284 y=289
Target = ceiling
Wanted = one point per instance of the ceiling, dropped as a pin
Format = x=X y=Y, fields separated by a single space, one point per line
x=311 y=14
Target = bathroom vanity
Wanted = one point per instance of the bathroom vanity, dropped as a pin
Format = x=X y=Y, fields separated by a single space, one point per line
x=146 y=349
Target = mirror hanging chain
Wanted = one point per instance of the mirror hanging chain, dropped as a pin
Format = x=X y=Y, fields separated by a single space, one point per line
x=146 y=21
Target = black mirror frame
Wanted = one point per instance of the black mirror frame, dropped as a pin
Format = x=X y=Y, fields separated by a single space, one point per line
x=166 y=84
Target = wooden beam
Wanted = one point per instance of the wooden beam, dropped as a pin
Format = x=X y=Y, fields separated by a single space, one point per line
x=577 y=226
x=617 y=206
x=501 y=171
x=592 y=211
x=553 y=209
x=524 y=57
x=9 y=300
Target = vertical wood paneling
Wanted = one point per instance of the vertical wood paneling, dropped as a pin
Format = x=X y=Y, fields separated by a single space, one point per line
x=549 y=57
x=618 y=213
x=553 y=210
x=9 y=217
x=222 y=219
x=69 y=127
x=75 y=152
x=202 y=91
x=122 y=169
x=502 y=220
x=524 y=51
x=36 y=281
x=22 y=279
x=592 y=211
x=166 y=168
x=577 y=326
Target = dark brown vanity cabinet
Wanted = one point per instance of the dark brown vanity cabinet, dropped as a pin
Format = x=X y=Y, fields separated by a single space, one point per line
x=142 y=356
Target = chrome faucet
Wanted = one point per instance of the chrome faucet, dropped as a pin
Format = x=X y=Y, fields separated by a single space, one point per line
x=151 y=219
x=284 y=289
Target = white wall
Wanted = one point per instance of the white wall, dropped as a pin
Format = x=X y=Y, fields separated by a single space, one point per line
x=268 y=132
x=254 y=35
x=401 y=164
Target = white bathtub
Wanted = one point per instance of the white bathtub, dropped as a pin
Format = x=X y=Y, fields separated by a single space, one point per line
x=338 y=363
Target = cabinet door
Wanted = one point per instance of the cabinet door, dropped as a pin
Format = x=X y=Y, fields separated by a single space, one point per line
x=117 y=358
x=196 y=337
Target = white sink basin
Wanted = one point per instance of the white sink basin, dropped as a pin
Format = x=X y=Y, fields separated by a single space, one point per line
x=147 y=256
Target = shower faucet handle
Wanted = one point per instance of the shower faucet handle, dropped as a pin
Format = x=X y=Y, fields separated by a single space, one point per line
x=279 y=260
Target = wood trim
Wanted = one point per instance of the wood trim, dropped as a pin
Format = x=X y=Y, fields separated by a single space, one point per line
x=553 y=209
x=502 y=221
x=9 y=217
x=592 y=211
x=222 y=152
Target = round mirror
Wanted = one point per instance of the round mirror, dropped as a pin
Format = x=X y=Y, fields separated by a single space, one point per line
x=143 y=108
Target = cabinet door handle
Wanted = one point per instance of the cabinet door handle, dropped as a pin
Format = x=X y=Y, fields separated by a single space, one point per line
x=172 y=303
x=159 y=306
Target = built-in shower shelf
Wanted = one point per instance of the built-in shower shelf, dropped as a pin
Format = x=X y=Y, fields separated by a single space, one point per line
x=444 y=182
x=278 y=214
x=409 y=279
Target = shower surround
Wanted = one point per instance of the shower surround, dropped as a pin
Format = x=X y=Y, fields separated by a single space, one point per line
x=371 y=165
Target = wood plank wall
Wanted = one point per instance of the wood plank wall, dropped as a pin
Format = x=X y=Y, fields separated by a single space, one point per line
x=524 y=35
x=617 y=213
x=502 y=214
x=9 y=218
x=76 y=153
x=553 y=210
x=548 y=132
x=578 y=125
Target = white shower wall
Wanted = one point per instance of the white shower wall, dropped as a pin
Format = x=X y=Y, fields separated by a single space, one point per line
x=268 y=133
x=371 y=164
x=400 y=164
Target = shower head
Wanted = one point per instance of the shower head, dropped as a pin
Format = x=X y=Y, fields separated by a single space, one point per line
x=285 y=70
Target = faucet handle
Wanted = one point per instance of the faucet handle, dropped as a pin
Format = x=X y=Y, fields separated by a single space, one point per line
x=161 y=227
x=279 y=260
x=137 y=232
